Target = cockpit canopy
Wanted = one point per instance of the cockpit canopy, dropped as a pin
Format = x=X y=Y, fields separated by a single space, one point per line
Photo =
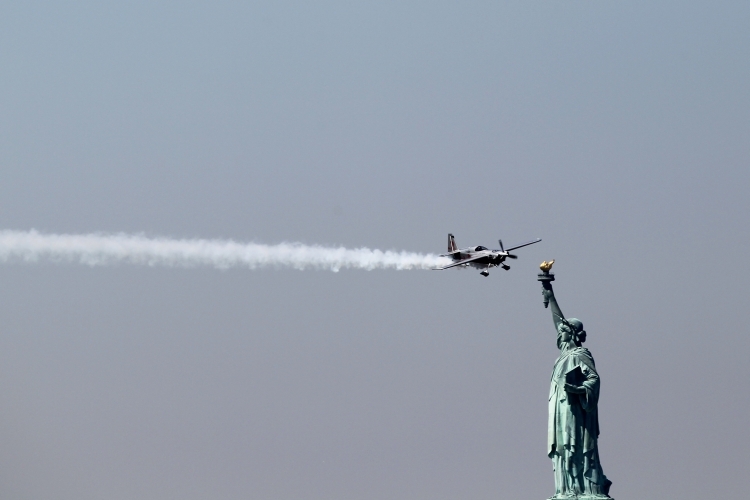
x=480 y=248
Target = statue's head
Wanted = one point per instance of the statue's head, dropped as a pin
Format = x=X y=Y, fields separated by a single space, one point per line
x=571 y=329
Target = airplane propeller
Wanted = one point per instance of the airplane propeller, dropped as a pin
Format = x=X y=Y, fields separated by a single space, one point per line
x=502 y=248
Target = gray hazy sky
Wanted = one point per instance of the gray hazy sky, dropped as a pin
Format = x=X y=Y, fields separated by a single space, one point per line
x=618 y=132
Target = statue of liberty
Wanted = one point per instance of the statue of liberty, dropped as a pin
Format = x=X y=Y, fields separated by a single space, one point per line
x=573 y=428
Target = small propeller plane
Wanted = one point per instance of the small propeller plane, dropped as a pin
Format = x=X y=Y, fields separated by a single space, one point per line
x=480 y=257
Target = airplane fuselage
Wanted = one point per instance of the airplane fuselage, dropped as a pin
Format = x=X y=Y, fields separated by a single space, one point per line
x=480 y=257
x=484 y=258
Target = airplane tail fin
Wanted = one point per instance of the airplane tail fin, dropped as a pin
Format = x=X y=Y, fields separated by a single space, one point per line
x=451 y=244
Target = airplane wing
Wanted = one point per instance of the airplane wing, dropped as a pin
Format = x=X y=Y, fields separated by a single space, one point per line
x=524 y=244
x=465 y=261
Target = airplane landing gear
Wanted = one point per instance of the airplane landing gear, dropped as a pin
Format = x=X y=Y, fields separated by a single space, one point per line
x=485 y=273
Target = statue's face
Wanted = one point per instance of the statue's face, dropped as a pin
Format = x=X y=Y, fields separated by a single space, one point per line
x=566 y=334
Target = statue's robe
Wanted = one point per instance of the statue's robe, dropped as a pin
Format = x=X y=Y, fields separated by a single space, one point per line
x=574 y=427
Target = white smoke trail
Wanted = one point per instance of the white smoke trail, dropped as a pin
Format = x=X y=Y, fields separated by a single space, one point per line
x=108 y=249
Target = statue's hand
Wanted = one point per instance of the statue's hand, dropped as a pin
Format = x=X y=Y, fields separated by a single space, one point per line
x=547 y=294
x=574 y=389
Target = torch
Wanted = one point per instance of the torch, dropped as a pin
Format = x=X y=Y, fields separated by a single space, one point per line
x=546 y=278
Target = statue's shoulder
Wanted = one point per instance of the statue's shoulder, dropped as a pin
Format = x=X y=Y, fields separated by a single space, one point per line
x=584 y=356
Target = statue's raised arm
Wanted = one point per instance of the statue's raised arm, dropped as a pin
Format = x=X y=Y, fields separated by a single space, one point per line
x=549 y=295
x=557 y=315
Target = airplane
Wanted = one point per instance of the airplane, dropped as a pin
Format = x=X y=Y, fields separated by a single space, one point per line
x=480 y=257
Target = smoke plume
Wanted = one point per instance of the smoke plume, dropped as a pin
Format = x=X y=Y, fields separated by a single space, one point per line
x=108 y=249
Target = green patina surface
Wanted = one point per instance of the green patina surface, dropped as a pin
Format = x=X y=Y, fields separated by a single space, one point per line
x=573 y=427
